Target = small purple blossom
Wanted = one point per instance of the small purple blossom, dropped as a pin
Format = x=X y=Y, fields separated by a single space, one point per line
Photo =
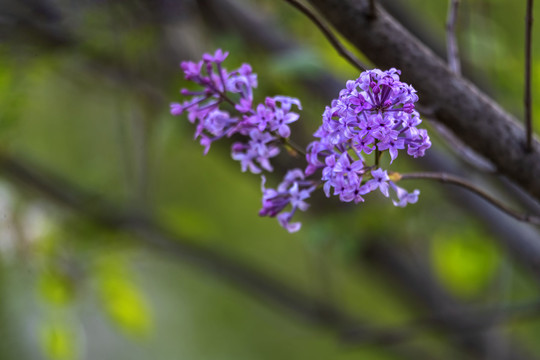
x=379 y=181
x=293 y=191
x=404 y=197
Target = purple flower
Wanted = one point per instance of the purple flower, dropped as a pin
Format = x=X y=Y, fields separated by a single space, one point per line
x=282 y=116
x=348 y=169
x=191 y=69
x=218 y=57
x=404 y=197
x=375 y=111
x=245 y=105
x=293 y=191
x=379 y=181
x=247 y=156
x=392 y=145
x=260 y=128
x=260 y=148
x=284 y=220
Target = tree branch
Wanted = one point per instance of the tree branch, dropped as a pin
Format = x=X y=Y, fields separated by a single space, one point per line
x=452 y=179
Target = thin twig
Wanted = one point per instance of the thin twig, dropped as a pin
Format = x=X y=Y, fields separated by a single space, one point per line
x=528 y=55
x=452 y=179
x=451 y=43
x=288 y=142
x=349 y=56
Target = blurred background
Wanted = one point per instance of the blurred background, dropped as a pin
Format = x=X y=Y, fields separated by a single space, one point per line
x=120 y=240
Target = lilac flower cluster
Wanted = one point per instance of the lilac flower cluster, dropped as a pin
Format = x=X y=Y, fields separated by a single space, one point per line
x=262 y=127
x=373 y=114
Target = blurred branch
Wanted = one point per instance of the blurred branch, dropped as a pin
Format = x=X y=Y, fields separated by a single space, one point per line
x=461 y=149
x=478 y=120
x=455 y=180
x=241 y=275
x=451 y=43
x=35 y=21
x=334 y=41
x=463 y=325
x=528 y=56
x=236 y=273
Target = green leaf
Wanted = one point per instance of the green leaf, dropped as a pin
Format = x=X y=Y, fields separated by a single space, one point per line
x=465 y=262
x=122 y=300
x=58 y=341
x=56 y=288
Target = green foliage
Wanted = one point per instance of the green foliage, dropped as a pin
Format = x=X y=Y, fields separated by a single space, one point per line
x=56 y=288
x=58 y=341
x=465 y=260
x=122 y=300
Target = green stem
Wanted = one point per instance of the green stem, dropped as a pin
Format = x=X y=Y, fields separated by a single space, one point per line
x=294 y=146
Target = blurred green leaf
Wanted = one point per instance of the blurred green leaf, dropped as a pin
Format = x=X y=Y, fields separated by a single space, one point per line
x=58 y=341
x=56 y=288
x=122 y=300
x=464 y=261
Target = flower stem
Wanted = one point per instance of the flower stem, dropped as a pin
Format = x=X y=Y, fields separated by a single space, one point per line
x=289 y=143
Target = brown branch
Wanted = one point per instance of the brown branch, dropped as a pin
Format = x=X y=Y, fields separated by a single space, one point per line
x=340 y=48
x=454 y=180
x=475 y=118
x=451 y=43
x=528 y=56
